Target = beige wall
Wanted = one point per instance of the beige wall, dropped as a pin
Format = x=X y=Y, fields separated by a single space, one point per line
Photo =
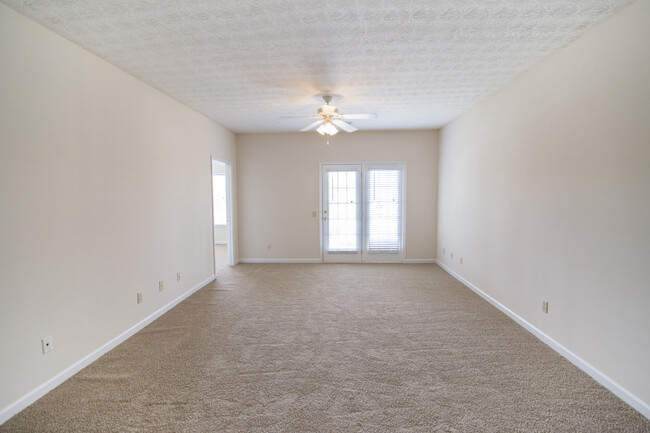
x=104 y=190
x=279 y=188
x=544 y=190
x=220 y=234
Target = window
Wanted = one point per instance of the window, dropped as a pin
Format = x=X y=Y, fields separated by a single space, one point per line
x=343 y=215
x=383 y=208
x=219 y=199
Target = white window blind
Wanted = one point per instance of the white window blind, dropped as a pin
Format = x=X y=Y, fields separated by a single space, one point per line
x=384 y=208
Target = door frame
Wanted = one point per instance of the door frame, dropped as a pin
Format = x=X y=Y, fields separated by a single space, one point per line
x=379 y=257
x=230 y=239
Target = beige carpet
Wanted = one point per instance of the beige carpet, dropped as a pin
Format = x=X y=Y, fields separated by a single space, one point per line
x=331 y=348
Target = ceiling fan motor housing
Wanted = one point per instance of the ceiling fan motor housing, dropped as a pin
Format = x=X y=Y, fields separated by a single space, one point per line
x=328 y=111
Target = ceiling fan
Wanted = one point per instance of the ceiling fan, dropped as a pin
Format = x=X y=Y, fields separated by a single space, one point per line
x=329 y=118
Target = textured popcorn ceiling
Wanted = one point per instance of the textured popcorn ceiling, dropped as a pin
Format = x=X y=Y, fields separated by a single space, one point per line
x=245 y=64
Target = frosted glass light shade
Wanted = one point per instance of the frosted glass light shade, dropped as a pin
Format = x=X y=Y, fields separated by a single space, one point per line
x=327 y=128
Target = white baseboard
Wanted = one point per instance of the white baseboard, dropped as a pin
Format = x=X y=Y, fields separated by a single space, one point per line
x=409 y=261
x=280 y=261
x=604 y=380
x=413 y=261
x=57 y=380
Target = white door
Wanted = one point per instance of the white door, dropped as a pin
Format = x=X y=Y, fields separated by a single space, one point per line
x=384 y=212
x=363 y=212
x=341 y=213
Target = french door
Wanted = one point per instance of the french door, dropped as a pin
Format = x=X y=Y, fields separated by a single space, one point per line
x=362 y=216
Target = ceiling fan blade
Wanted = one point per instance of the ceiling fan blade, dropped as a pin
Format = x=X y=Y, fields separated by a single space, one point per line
x=358 y=116
x=344 y=126
x=312 y=126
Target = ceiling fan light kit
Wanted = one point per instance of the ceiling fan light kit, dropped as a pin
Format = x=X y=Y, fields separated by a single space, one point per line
x=329 y=118
x=327 y=128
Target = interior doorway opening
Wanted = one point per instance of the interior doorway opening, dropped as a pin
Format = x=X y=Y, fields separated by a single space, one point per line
x=221 y=214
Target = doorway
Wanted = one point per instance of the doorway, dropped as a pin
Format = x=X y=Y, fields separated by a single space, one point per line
x=222 y=240
x=363 y=212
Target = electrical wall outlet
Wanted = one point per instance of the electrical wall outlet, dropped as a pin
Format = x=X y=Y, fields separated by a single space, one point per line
x=139 y=297
x=461 y=260
x=451 y=254
x=178 y=276
x=545 y=307
x=443 y=251
x=161 y=285
x=46 y=344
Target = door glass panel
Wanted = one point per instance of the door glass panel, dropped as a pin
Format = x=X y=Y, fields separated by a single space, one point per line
x=342 y=220
x=383 y=210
